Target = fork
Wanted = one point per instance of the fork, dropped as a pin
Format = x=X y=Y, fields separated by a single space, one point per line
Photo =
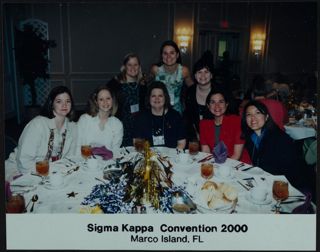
x=234 y=205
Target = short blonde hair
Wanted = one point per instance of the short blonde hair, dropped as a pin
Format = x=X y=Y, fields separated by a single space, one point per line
x=92 y=107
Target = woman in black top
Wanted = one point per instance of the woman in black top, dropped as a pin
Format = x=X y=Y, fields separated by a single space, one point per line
x=269 y=147
x=130 y=89
x=160 y=124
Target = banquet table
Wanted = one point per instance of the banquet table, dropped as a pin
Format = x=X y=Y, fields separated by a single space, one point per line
x=299 y=131
x=80 y=180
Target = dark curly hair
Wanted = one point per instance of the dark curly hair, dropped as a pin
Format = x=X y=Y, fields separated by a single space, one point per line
x=47 y=108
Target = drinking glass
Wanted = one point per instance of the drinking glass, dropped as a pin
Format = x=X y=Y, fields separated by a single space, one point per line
x=15 y=204
x=206 y=170
x=86 y=151
x=280 y=192
x=139 y=144
x=42 y=167
x=194 y=147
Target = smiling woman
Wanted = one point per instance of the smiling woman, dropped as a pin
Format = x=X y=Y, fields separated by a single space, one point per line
x=160 y=124
x=99 y=127
x=50 y=136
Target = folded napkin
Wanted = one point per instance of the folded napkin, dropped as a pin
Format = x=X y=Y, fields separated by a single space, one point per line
x=103 y=152
x=305 y=208
x=220 y=152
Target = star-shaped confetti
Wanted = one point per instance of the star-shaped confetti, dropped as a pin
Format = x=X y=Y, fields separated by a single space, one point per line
x=72 y=194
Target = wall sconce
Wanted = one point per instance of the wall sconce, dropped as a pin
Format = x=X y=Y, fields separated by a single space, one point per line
x=257 y=44
x=184 y=38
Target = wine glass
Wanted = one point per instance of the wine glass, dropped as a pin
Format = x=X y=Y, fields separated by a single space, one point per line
x=280 y=192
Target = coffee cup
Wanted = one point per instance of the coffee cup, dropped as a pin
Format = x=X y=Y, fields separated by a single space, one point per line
x=224 y=171
x=92 y=163
x=259 y=193
x=183 y=158
x=56 y=179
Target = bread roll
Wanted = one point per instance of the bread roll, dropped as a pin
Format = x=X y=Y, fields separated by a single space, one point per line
x=209 y=185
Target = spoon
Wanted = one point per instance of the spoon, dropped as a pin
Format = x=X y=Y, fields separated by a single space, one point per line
x=34 y=200
x=25 y=209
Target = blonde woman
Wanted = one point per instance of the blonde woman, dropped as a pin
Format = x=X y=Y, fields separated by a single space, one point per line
x=129 y=89
x=99 y=127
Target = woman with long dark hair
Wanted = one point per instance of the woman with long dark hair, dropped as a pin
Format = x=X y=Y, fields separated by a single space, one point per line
x=268 y=146
x=172 y=73
x=50 y=136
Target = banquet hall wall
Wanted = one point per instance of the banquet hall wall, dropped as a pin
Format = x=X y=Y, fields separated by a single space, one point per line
x=92 y=38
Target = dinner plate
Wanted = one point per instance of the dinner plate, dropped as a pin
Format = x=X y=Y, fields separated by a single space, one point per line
x=52 y=187
x=200 y=200
x=267 y=201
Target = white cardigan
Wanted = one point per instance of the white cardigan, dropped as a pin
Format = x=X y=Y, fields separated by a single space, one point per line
x=33 y=145
x=89 y=133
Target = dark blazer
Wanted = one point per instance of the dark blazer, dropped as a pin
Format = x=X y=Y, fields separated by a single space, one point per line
x=277 y=154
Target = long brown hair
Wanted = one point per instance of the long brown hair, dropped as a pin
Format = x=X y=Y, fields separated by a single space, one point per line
x=92 y=107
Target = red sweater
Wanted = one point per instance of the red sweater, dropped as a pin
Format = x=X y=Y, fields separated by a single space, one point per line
x=229 y=133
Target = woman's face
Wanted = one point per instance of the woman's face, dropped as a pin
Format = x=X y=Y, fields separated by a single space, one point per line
x=203 y=76
x=132 y=68
x=169 y=55
x=62 y=105
x=255 y=119
x=104 y=100
x=157 y=98
x=217 y=105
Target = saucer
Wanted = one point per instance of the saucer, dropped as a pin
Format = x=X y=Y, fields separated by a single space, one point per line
x=267 y=201
x=52 y=187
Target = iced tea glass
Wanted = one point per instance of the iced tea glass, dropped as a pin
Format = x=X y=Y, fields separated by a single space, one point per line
x=86 y=151
x=194 y=147
x=280 y=192
x=15 y=204
x=42 y=167
x=206 y=170
x=139 y=144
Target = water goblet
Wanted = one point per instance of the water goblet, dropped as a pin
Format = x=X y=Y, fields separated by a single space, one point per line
x=280 y=192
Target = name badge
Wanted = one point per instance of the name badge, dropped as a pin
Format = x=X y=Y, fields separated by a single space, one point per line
x=201 y=117
x=171 y=98
x=158 y=140
x=134 y=108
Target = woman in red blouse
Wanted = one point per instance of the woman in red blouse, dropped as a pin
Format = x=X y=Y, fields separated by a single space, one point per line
x=224 y=127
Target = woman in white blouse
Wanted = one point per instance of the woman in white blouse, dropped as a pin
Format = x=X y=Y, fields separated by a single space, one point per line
x=99 y=127
x=50 y=136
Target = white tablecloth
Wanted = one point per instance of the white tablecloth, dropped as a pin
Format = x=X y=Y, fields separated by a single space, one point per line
x=79 y=184
x=298 y=131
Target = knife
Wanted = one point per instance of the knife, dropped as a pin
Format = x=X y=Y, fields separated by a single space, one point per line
x=206 y=158
x=248 y=168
